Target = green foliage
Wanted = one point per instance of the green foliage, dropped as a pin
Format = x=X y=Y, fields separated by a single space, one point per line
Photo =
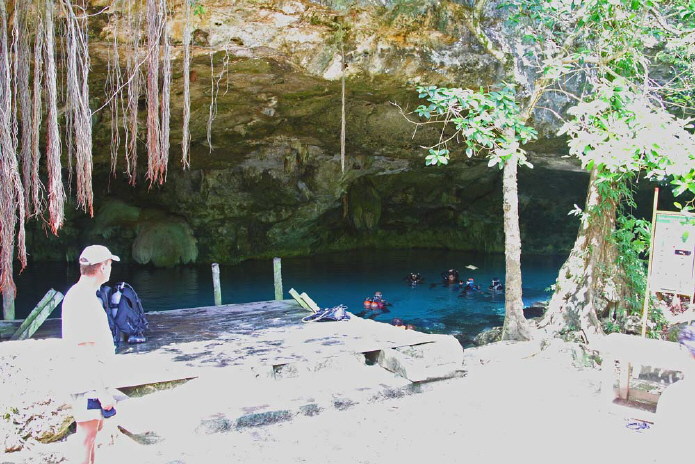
x=604 y=53
x=684 y=183
x=486 y=122
x=623 y=134
x=657 y=324
x=632 y=237
x=624 y=35
x=198 y=7
x=437 y=157
x=341 y=31
x=612 y=327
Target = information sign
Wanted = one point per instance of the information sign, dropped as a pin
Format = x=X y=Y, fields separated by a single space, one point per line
x=673 y=254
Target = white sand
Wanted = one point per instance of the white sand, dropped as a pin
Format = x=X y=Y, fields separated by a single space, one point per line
x=537 y=409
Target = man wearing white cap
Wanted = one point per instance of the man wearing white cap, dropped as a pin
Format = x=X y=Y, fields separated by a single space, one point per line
x=86 y=330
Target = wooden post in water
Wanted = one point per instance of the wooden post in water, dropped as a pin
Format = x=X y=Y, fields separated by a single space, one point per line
x=216 y=283
x=8 y=306
x=277 y=278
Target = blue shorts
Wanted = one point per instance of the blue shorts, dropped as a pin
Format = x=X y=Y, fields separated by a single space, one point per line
x=79 y=407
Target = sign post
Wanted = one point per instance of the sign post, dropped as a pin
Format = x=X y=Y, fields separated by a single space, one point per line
x=671 y=267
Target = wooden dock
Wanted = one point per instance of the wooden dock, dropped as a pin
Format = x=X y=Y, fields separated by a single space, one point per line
x=269 y=340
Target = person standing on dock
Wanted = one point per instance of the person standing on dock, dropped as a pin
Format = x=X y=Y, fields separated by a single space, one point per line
x=86 y=331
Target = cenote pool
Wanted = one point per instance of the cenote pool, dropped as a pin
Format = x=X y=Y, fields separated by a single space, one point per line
x=330 y=279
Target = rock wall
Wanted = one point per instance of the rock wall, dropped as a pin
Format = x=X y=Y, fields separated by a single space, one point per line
x=268 y=181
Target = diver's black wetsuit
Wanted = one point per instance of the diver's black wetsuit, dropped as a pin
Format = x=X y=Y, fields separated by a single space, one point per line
x=413 y=279
x=451 y=277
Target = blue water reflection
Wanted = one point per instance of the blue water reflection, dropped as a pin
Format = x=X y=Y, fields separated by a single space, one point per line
x=330 y=279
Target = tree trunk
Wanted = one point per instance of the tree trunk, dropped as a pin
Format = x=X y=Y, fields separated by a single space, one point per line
x=590 y=281
x=516 y=327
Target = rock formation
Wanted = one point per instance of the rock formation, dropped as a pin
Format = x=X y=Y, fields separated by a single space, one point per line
x=267 y=181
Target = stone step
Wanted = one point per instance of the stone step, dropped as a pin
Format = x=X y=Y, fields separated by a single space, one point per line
x=219 y=402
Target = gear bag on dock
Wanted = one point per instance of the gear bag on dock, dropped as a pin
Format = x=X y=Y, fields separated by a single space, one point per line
x=125 y=312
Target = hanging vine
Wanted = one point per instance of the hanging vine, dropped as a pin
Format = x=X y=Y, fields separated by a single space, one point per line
x=22 y=52
x=342 y=40
x=79 y=114
x=133 y=90
x=114 y=81
x=215 y=91
x=186 y=132
x=154 y=28
x=163 y=159
x=11 y=191
x=34 y=185
x=45 y=107
x=56 y=192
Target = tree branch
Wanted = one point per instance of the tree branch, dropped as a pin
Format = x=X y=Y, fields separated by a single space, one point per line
x=473 y=25
x=666 y=26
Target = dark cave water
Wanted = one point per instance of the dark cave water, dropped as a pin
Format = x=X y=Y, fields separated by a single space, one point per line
x=330 y=279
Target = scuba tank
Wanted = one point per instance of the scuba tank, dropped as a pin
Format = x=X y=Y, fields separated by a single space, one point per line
x=115 y=300
x=378 y=301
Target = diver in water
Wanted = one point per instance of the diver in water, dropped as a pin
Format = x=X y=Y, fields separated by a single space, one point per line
x=496 y=286
x=470 y=287
x=451 y=277
x=397 y=322
x=378 y=301
x=374 y=306
x=414 y=278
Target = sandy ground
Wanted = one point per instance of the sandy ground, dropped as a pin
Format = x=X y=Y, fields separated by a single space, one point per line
x=539 y=409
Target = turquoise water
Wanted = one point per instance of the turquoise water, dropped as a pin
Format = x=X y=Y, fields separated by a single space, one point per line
x=330 y=279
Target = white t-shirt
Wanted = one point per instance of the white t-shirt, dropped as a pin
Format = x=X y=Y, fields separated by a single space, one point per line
x=84 y=321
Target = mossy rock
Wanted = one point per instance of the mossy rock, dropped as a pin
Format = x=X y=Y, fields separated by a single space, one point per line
x=364 y=205
x=488 y=336
x=165 y=242
x=144 y=390
x=114 y=213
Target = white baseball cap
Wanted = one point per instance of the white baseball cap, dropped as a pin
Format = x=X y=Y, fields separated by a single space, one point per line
x=95 y=254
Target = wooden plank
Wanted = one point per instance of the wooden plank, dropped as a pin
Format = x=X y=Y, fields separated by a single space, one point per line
x=298 y=298
x=314 y=307
x=643 y=396
x=38 y=315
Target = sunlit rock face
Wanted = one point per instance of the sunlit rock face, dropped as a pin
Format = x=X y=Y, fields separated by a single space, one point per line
x=266 y=179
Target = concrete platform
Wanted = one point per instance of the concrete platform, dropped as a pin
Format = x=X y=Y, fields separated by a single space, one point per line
x=269 y=340
x=245 y=365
